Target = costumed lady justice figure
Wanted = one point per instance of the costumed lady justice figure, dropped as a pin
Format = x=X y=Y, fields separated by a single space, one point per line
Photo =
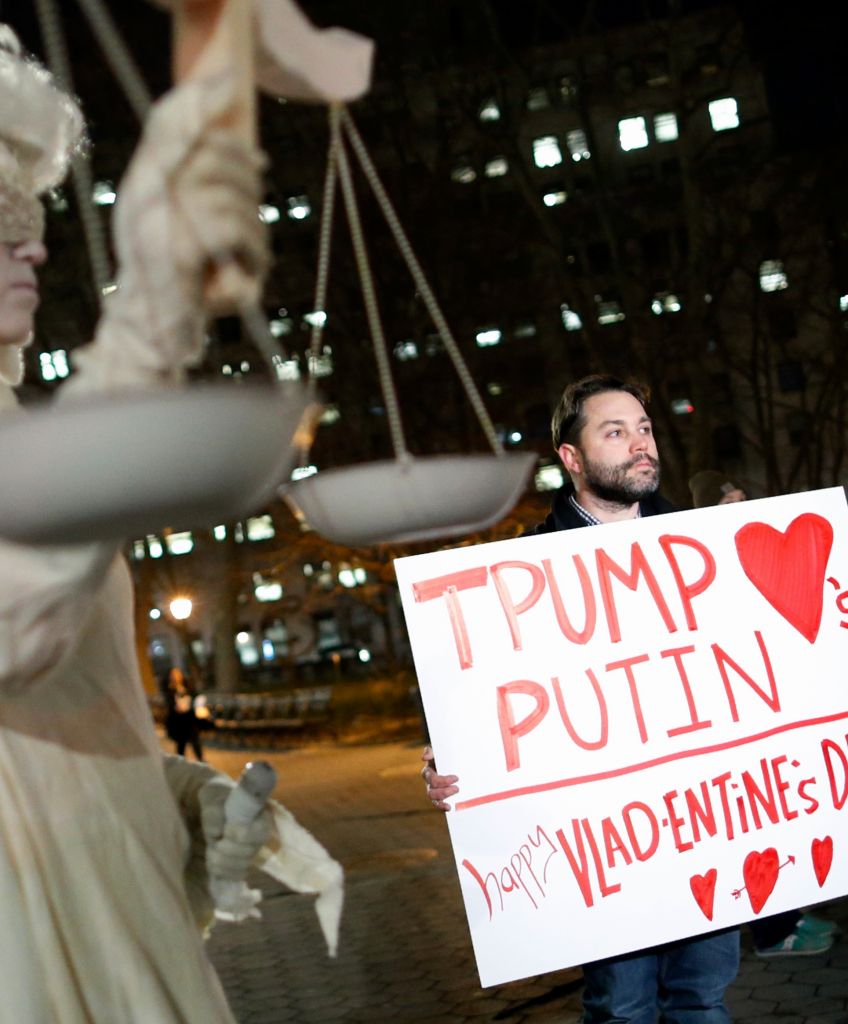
x=106 y=846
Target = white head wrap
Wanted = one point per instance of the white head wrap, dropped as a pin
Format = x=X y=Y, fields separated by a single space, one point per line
x=40 y=127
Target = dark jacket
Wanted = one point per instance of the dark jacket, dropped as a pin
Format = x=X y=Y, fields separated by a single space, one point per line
x=563 y=516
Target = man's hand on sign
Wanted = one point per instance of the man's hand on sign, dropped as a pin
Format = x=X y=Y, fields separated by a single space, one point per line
x=439 y=787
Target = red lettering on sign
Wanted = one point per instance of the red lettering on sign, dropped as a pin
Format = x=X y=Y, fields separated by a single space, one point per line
x=638 y=567
x=723 y=659
x=511 y=730
x=589 y=607
x=603 y=714
x=449 y=587
x=511 y=609
x=688 y=590
x=627 y=664
x=676 y=653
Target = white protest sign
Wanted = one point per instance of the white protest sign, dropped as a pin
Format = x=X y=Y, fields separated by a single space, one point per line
x=648 y=720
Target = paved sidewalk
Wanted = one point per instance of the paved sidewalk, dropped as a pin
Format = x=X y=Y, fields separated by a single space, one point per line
x=405 y=953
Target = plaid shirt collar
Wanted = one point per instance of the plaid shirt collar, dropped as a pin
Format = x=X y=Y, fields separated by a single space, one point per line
x=587 y=517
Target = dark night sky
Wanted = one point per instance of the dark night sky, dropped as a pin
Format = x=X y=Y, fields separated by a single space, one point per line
x=801 y=47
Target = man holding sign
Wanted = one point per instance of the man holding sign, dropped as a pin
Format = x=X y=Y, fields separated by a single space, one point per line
x=604 y=438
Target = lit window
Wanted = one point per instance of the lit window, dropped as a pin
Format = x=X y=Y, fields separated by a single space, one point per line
x=219 y=532
x=494 y=389
x=665 y=127
x=53 y=365
x=496 y=168
x=154 y=546
x=317 y=318
x=58 y=200
x=268 y=213
x=433 y=344
x=322 y=364
x=302 y=472
x=238 y=533
x=489 y=111
x=308 y=570
x=331 y=414
x=286 y=369
x=268 y=649
x=298 y=207
x=724 y=114
x=526 y=330
x=351 y=577
x=364 y=655
x=246 y=648
x=578 y=147
x=245 y=366
x=406 y=350
x=567 y=87
x=227 y=370
x=682 y=407
x=489 y=336
x=843 y=303
x=546 y=151
x=464 y=174
x=514 y=437
x=103 y=193
x=260 y=528
x=179 y=543
x=772 y=276
x=538 y=98
x=632 y=133
x=549 y=478
x=570 y=320
x=155 y=614
x=108 y=288
x=555 y=197
x=609 y=311
x=665 y=302
x=267 y=590
x=138 y=550
x=280 y=326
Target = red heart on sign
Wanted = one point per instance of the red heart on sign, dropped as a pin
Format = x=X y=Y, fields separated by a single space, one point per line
x=822 y=851
x=788 y=568
x=703 y=889
x=760 y=874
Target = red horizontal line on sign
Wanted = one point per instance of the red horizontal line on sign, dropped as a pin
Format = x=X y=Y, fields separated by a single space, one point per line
x=629 y=769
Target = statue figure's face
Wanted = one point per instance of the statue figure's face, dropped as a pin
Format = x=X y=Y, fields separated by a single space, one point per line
x=19 y=289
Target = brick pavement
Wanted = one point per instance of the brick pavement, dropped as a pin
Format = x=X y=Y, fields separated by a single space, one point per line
x=405 y=954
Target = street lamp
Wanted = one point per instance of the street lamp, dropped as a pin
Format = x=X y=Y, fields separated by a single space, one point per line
x=180 y=608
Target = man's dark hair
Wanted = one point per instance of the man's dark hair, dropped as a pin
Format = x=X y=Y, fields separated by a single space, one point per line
x=568 y=419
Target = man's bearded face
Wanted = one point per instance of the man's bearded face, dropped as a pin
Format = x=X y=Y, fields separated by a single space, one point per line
x=622 y=483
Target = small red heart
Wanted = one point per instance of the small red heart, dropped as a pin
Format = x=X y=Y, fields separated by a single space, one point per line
x=788 y=568
x=760 y=874
x=703 y=889
x=822 y=851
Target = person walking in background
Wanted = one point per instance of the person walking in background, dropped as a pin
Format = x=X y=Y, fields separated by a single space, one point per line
x=710 y=487
x=791 y=933
x=181 y=722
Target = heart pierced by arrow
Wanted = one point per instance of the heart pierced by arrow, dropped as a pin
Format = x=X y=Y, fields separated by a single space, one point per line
x=703 y=889
x=822 y=854
x=760 y=871
x=788 y=568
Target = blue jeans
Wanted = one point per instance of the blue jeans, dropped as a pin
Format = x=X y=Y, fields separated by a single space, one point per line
x=681 y=983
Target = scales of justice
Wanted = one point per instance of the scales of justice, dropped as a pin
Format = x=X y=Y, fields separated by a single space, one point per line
x=129 y=464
